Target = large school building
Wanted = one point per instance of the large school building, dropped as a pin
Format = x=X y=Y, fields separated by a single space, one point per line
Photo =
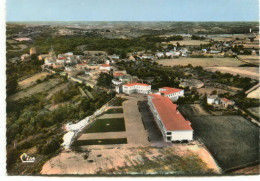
x=172 y=124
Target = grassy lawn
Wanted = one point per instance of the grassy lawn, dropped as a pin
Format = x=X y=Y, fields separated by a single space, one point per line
x=100 y=142
x=232 y=140
x=118 y=101
x=107 y=125
x=114 y=111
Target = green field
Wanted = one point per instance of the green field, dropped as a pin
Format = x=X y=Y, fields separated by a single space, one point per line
x=114 y=111
x=232 y=140
x=106 y=125
x=100 y=142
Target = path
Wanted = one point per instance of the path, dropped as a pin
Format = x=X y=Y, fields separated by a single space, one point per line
x=107 y=135
x=111 y=116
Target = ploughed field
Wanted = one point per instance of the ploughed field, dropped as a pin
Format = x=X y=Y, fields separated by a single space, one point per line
x=232 y=140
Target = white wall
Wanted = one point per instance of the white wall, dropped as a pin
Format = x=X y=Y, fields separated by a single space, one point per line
x=182 y=135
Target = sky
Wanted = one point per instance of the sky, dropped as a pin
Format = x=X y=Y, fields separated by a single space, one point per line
x=132 y=10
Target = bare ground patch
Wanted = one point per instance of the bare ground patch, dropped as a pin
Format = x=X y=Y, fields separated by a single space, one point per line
x=252 y=72
x=204 y=62
x=32 y=80
x=44 y=86
x=180 y=159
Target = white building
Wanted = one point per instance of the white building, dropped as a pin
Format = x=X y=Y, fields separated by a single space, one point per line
x=136 y=88
x=173 y=125
x=49 y=61
x=159 y=54
x=60 y=60
x=170 y=92
x=69 y=54
x=116 y=82
x=213 y=99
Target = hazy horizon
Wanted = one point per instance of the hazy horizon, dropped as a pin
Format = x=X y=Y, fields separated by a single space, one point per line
x=133 y=10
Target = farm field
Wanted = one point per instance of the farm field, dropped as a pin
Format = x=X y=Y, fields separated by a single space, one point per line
x=44 y=86
x=254 y=59
x=204 y=62
x=188 y=42
x=32 y=80
x=232 y=140
x=251 y=72
x=60 y=87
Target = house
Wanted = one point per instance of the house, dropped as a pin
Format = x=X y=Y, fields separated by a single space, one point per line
x=49 y=61
x=69 y=54
x=57 y=66
x=117 y=73
x=25 y=57
x=170 y=92
x=136 y=88
x=116 y=82
x=159 y=54
x=93 y=66
x=115 y=57
x=81 y=65
x=106 y=67
x=43 y=56
x=119 y=88
x=204 y=50
x=213 y=99
x=226 y=102
x=125 y=78
x=60 y=60
x=172 y=124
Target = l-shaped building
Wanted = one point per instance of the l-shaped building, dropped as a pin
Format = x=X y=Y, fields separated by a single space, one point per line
x=173 y=125
x=136 y=88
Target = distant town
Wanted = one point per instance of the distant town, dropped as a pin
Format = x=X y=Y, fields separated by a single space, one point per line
x=133 y=98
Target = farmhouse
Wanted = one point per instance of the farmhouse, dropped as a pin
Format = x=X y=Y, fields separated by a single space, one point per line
x=170 y=92
x=173 y=125
x=219 y=102
x=136 y=88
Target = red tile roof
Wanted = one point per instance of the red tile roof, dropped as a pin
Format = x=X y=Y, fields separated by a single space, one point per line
x=61 y=58
x=170 y=116
x=170 y=90
x=105 y=65
x=225 y=99
x=133 y=84
x=118 y=74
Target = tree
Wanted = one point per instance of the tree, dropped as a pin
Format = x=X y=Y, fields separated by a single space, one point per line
x=104 y=79
x=11 y=85
x=122 y=55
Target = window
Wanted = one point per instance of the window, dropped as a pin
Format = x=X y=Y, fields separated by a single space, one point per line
x=169 y=133
x=168 y=138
